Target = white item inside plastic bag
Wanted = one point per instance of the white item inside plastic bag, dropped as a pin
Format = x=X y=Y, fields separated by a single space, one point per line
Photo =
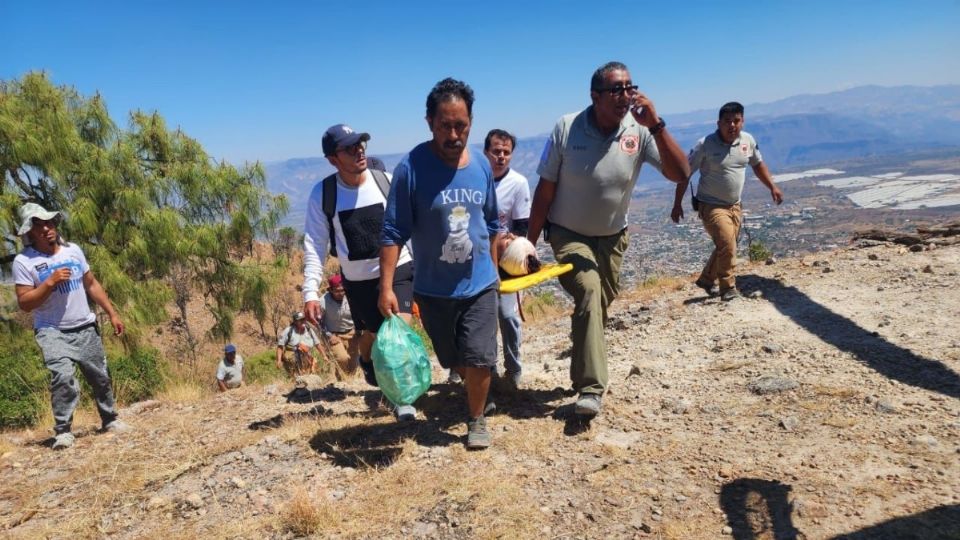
x=519 y=258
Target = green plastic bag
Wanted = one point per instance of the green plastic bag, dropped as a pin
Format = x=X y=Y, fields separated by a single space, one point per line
x=400 y=361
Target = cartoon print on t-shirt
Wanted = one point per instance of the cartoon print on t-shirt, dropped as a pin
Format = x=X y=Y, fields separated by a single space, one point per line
x=458 y=248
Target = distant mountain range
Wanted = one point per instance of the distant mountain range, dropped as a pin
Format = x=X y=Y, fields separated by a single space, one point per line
x=799 y=131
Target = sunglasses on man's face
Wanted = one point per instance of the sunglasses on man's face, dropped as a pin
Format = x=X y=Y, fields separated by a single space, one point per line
x=620 y=89
x=353 y=149
x=41 y=223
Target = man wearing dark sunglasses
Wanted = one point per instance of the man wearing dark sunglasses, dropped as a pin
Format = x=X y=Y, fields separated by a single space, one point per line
x=345 y=212
x=587 y=173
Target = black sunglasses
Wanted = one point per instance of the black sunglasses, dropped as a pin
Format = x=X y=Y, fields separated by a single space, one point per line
x=353 y=148
x=618 y=90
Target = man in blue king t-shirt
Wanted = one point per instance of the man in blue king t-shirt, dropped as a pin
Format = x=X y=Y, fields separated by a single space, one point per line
x=444 y=198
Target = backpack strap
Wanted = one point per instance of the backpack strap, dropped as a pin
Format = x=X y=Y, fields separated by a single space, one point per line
x=289 y=332
x=330 y=208
x=382 y=181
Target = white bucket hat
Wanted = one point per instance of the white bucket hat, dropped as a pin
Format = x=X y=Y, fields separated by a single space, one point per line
x=30 y=211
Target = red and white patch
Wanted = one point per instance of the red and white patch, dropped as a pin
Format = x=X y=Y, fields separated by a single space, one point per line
x=745 y=149
x=629 y=144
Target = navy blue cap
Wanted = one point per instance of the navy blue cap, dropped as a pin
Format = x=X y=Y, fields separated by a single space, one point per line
x=230 y=348
x=341 y=136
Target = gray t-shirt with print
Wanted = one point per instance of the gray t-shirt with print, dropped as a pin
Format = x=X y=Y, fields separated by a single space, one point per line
x=67 y=306
x=723 y=167
x=595 y=173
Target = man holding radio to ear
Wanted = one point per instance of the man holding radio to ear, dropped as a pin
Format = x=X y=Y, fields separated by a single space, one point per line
x=587 y=173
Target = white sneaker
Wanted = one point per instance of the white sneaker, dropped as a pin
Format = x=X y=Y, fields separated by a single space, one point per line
x=63 y=441
x=117 y=426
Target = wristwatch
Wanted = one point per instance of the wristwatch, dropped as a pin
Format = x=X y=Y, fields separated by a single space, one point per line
x=658 y=127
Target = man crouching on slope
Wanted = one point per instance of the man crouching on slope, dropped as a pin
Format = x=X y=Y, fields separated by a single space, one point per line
x=443 y=196
x=345 y=212
x=54 y=281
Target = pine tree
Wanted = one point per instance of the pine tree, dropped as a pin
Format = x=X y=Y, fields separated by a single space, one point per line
x=146 y=203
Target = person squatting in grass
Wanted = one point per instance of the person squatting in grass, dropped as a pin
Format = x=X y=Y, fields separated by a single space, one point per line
x=443 y=197
x=230 y=369
x=54 y=281
x=722 y=158
x=587 y=173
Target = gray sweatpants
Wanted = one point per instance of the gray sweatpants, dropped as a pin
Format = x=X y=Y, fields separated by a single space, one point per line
x=62 y=351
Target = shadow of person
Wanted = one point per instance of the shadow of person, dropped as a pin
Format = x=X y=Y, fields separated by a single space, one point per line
x=888 y=359
x=940 y=523
x=758 y=508
x=278 y=420
x=373 y=446
x=328 y=393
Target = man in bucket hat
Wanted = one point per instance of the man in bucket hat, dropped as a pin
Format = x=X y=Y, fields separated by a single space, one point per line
x=54 y=281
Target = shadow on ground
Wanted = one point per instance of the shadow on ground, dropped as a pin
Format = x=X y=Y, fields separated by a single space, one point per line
x=846 y=335
x=758 y=508
x=440 y=410
x=940 y=523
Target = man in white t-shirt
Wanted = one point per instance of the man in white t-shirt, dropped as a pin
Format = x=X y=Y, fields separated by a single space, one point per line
x=54 y=281
x=513 y=202
x=230 y=370
x=350 y=228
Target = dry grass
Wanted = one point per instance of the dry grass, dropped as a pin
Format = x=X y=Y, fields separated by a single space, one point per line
x=185 y=391
x=653 y=287
x=540 y=306
x=303 y=516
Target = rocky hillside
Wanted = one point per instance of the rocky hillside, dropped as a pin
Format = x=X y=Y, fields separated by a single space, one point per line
x=826 y=403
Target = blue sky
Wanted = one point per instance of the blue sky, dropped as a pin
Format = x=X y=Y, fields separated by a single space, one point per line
x=253 y=81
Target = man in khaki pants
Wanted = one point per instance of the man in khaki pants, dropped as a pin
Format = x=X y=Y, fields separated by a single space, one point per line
x=722 y=158
x=587 y=172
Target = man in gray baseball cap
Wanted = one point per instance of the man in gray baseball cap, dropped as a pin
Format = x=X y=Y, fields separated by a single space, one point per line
x=54 y=281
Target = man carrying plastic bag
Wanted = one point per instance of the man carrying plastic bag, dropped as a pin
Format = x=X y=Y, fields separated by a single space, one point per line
x=444 y=198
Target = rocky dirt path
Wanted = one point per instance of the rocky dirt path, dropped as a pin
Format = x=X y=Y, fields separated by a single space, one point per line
x=825 y=403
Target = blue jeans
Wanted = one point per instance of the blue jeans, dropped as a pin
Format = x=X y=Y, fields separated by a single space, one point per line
x=510 y=331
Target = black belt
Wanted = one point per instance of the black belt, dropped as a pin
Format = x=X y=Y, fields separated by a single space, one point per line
x=80 y=328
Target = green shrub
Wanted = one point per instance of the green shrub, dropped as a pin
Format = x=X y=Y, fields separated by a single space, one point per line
x=261 y=368
x=759 y=252
x=136 y=376
x=23 y=378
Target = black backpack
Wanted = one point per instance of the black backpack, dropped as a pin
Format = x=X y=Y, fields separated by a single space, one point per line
x=330 y=200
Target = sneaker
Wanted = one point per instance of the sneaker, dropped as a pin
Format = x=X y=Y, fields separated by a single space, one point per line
x=405 y=413
x=478 y=437
x=587 y=406
x=63 y=441
x=490 y=408
x=368 y=374
x=454 y=378
x=117 y=426
x=730 y=294
x=709 y=288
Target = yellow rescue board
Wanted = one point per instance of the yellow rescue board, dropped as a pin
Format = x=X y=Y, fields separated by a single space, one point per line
x=546 y=272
